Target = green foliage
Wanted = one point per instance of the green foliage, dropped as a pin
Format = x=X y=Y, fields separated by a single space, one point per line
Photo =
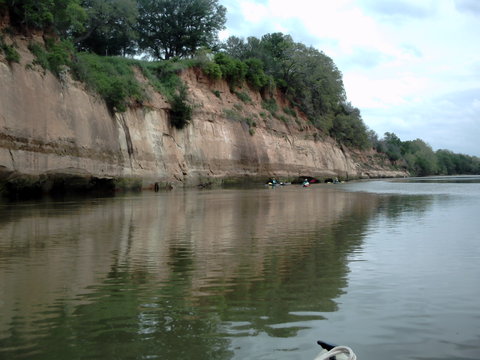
x=41 y=55
x=181 y=111
x=285 y=119
x=70 y=17
x=391 y=145
x=255 y=74
x=243 y=96
x=349 y=129
x=108 y=28
x=163 y=75
x=233 y=114
x=236 y=71
x=233 y=70
x=54 y=56
x=111 y=77
x=289 y=111
x=55 y=16
x=31 y=14
x=212 y=70
x=373 y=139
x=114 y=80
x=419 y=159
x=217 y=93
x=450 y=163
x=278 y=52
x=11 y=54
x=250 y=122
x=309 y=79
x=177 y=28
x=324 y=122
x=447 y=163
x=270 y=105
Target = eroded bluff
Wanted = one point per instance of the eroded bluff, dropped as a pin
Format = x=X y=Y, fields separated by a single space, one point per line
x=56 y=134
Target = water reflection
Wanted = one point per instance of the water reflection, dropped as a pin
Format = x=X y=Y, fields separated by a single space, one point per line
x=177 y=275
x=173 y=274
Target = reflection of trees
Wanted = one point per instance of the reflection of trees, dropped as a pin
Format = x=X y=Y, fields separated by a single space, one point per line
x=123 y=319
x=162 y=275
x=297 y=281
x=392 y=206
x=287 y=255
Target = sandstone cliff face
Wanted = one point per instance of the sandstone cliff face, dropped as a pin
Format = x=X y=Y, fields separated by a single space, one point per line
x=50 y=126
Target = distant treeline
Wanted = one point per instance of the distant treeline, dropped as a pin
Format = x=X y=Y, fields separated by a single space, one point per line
x=419 y=159
x=99 y=40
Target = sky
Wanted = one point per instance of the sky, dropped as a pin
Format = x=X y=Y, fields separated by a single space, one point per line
x=412 y=67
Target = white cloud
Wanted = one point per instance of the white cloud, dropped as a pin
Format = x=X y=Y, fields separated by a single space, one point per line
x=476 y=104
x=253 y=12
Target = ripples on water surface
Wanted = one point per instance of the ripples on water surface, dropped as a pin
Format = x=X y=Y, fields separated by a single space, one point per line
x=390 y=268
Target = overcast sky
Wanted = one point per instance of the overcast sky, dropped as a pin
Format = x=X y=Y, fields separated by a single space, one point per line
x=412 y=67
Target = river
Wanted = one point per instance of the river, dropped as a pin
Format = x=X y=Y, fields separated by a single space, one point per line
x=390 y=268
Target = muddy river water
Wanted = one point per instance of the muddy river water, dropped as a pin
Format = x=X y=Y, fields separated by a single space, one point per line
x=390 y=268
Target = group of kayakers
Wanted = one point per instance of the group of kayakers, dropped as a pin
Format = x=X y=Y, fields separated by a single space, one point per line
x=274 y=182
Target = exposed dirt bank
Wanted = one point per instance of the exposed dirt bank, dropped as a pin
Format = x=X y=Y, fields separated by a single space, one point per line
x=55 y=135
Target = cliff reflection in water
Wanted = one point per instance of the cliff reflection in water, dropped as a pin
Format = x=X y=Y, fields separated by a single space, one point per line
x=172 y=274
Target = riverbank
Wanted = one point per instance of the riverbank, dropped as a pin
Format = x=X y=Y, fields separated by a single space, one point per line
x=55 y=134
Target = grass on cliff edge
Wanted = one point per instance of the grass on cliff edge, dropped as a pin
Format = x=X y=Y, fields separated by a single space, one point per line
x=113 y=77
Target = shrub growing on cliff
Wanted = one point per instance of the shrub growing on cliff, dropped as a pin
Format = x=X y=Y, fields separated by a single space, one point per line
x=212 y=70
x=243 y=96
x=271 y=106
x=11 y=54
x=255 y=75
x=112 y=77
x=54 y=56
x=181 y=110
x=233 y=70
x=164 y=75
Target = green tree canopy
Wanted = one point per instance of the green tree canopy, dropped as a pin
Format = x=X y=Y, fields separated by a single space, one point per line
x=450 y=163
x=177 y=28
x=110 y=27
x=56 y=16
x=309 y=79
x=349 y=129
x=391 y=145
x=420 y=157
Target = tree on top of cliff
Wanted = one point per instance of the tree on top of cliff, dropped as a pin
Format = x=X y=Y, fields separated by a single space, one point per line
x=310 y=80
x=177 y=28
x=109 y=28
x=105 y=27
x=54 y=16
